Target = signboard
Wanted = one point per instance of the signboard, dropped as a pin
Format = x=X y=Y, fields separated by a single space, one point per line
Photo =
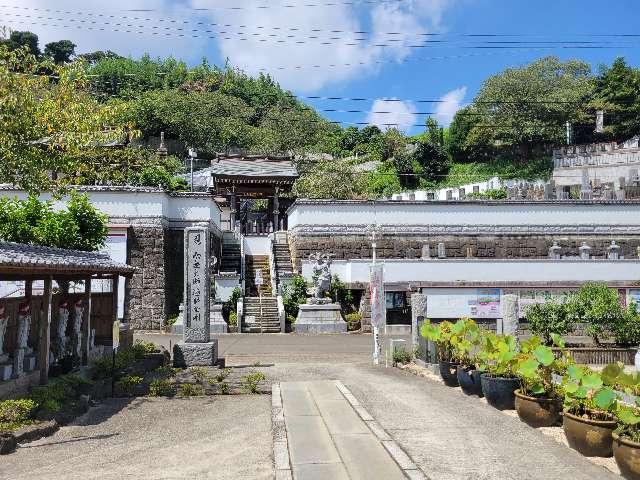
x=376 y=292
x=196 y=310
x=115 y=335
x=258 y=280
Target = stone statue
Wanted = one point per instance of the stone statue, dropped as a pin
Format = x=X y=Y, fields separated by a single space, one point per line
x=321 y=278
x=77 y=327
x=61 y=340
x=24 y=325
x=4 y=320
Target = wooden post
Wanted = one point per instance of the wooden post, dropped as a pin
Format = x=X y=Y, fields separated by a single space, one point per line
x=114 y=283
x=276 y=210
x=86 y=321
x=44 y=341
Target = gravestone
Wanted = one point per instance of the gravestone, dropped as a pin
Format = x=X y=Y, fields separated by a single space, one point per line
x=613 y=251
x=197 y=348
x=426 y=251
x=442 y=253
x=216 y=320
x=554 y=251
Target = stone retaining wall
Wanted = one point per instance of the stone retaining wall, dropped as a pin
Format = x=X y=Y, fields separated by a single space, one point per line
x=344 y=247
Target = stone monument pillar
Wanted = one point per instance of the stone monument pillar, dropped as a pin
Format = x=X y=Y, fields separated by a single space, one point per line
x=216 y=319
x=442 y=252
x=585 y=251
x=418 y=315
x=510 y=320
x=426 y=252
x=6 y=369
x=554 y=251
x=198 y=349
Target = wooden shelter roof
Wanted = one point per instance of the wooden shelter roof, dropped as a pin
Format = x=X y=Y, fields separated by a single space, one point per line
x=24 y=260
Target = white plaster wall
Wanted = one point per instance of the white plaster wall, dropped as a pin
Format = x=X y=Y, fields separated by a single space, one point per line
x=486 y=271
x=225 y=285
x=432 y=214
x=257 y=245
x=132 y=204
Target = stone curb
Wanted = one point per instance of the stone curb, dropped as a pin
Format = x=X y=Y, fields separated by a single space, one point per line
x=403 y=460
x=279 y=431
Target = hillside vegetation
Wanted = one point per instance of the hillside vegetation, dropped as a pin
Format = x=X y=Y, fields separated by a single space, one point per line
x=509 y=129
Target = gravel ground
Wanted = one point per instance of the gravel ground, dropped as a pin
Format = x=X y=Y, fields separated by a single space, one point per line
x=221 y=437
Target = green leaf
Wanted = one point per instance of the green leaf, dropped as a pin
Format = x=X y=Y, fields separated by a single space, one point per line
x=575 y=372
x=537 y=389
x=627 y=416
x=571 y=387
x=605 y=398
x=528 y=368
x=557 y=340
x=610 y=373
x=544 y=355
x=592 y=381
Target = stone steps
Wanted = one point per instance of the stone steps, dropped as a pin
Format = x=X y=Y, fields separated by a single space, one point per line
x=268 y=322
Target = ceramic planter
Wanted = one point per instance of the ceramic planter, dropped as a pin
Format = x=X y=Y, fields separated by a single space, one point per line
x=592 y=438
x=627 y=455
x=538 y=412
x=448 y=372
x=499 y=391
x=469 y=380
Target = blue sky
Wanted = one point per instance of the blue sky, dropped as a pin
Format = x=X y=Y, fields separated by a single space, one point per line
x=375 y=65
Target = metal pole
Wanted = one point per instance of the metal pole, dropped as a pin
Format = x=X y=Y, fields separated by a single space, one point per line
x=376 y=333
x=191 y=173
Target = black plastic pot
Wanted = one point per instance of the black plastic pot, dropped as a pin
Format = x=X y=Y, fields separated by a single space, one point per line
x=448 y=372
x=469 y=380
x=499 y=391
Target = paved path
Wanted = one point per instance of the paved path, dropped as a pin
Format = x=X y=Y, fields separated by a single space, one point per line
x=328 y=439
x=448 y=435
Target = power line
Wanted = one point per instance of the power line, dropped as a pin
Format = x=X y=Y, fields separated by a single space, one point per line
x=310 y=39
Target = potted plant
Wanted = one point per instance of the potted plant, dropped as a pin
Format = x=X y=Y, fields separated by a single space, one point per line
x=626 y=441
x=588 y=419
x=538 y=401
x=466 y=335
x=441 y=334
x=498 y=359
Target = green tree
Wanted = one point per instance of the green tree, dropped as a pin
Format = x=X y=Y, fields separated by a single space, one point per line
x=46 y=123
x=618 y=94
x=598 y=306
x=24 y=39
x=434 y=133
x=522 y=111
x=61 y=51
x=430 y=162
x=80 y=227
x=330 y=179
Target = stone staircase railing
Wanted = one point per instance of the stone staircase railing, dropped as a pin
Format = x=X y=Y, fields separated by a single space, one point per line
x=281 y=314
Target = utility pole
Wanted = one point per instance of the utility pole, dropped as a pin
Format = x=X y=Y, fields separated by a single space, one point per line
x=192 y=154
x=376 y=292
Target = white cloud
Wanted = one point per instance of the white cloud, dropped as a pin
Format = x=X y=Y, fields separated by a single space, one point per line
x=64 y=21
x=244 y=27
x=451 y=102
x=385 y=114
x=349 y=61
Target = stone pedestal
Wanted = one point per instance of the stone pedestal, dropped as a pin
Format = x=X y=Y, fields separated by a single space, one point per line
x=418 y=315
x=178 y=327
x=29 y=363
x=195 y=354
x=509 y=321
x=216 y=320
x=320 y=319
x=5 y=372
x=18 y=362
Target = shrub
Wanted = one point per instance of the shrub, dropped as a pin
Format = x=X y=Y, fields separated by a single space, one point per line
x=199 y=373
x=16 y=413
x=166 y=371
x=341 y=294
x=190 y=390
x=233 y=319
x=586 y=394
x=537 y=364
x=220 y=377
x=548 y=318
x=141 y=349
x=498 y=355
x=627 y=332
x=224 y=388
x=293 y=295
x=353 y=320
x=128 y=383
x=465 y=338
x=59 y=392
x=440 y=334
x=231 y=305
x=160 y=388
x=598 y=306
x=250 y=381
x=402 y=356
